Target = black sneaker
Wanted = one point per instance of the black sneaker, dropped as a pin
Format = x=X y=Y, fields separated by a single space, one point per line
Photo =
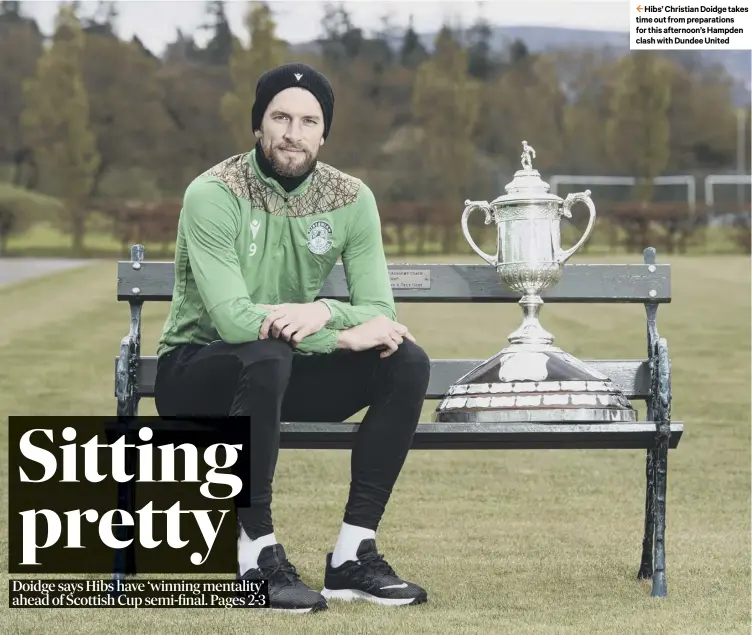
x=369 y=578
x=287 y=592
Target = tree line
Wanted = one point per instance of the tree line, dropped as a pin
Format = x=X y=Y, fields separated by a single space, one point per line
x=94 y=120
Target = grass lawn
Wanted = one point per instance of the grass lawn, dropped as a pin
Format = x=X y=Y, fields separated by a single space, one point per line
x=544 y=542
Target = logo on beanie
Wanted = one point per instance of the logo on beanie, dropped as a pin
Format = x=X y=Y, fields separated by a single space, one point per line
x=320 y=237
x=298 y=76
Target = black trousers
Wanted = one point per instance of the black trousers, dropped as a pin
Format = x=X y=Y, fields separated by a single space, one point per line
x=268 y=383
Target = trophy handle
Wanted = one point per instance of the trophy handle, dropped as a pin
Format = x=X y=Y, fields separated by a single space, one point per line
x=470 y=207
x=566 y=207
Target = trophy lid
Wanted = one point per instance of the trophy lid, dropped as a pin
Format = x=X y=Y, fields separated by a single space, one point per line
x=527 y=184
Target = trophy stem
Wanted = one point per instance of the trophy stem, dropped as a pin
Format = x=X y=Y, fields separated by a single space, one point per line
x=531 y=331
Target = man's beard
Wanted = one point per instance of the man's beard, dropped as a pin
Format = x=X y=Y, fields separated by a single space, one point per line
x=285 y=165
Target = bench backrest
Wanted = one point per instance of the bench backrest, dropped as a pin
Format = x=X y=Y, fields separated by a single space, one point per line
x=596 y=283
x=648 y=284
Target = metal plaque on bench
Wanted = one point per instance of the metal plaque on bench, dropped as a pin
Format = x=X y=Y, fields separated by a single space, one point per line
x=410 y=278
x=531 y=379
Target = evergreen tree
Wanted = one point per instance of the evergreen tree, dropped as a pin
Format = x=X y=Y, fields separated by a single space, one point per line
x=219 y=48
x=246 y=66
x=445 y=106
x=480 y=60
x=412 y=52
x=10 y=11
x=56 y=122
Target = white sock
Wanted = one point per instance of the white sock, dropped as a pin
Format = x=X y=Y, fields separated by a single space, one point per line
x=249 y=550
x=348 y=542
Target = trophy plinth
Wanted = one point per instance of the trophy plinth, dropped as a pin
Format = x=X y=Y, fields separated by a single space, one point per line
x=531 y=379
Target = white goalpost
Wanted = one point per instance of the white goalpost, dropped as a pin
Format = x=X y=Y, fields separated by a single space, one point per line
x=723 y=179
x=682 y=179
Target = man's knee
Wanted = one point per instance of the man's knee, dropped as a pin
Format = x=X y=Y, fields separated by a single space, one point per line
x=411 y=362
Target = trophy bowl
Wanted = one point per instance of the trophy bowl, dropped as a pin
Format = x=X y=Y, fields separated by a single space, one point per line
x=531 y=380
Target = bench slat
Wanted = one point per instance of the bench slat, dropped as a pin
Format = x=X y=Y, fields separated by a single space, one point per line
x=631 y=376
x=489 y=436
x=453 y=436
x=602 y=283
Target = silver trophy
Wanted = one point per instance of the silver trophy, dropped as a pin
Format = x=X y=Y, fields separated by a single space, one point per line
x=531 y=379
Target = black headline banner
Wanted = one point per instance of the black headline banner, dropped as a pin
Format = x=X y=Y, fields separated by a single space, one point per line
x=84 y=491
x=141 y=594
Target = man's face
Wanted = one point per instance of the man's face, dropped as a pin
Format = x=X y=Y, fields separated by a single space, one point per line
x=292 y=131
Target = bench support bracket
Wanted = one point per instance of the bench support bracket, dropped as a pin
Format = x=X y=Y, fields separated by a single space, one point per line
x=653 y=561
x=126 y=391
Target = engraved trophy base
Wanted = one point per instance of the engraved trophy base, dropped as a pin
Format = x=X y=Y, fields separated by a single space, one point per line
x=534 y=383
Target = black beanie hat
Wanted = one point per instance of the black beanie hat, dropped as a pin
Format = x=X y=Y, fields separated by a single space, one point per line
x=294 y=75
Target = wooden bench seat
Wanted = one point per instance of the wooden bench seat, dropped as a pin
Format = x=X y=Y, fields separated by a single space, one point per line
x=631 y=376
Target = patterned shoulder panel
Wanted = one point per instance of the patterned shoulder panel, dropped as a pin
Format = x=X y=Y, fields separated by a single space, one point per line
x=235 y=173
x=329 y=189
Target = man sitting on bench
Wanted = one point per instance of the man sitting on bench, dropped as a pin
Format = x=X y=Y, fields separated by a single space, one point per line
x=258 y=235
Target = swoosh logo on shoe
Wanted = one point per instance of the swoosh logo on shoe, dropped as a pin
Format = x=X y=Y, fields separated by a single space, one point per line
x=396 y=586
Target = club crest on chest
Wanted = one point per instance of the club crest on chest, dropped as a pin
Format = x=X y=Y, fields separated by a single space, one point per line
x=319 y=237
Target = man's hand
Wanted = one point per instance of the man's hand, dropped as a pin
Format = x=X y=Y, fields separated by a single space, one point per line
x=380 y=332
x=293 y=322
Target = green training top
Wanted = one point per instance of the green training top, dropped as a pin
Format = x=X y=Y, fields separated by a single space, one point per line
x=243 y=241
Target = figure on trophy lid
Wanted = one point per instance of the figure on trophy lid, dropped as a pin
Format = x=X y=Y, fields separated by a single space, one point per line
x=527 y=151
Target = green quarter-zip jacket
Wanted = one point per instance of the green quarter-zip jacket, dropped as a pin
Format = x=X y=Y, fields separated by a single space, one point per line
x=243 y=241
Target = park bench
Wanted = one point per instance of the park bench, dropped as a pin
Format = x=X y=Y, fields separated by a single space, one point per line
x=647 y=379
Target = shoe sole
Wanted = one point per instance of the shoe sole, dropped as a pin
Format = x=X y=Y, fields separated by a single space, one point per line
x=310 y=609
x=353 y=595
